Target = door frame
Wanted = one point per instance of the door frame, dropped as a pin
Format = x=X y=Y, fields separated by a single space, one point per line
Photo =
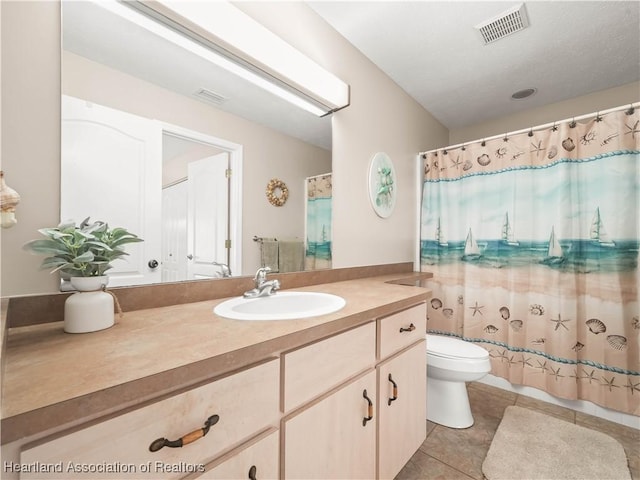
x=235 y=185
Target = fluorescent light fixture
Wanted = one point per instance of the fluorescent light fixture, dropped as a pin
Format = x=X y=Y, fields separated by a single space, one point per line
x=261 y=58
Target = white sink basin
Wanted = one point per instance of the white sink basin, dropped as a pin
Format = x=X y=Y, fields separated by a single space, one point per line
x=280 y=306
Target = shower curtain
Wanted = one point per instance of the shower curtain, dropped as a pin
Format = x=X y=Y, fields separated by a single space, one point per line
x=318 y=222
x=533 y=241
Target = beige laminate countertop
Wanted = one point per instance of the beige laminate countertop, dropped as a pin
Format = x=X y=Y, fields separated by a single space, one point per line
x=54 y=380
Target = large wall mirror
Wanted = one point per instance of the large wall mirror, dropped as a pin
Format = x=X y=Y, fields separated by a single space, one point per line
x=157 y=139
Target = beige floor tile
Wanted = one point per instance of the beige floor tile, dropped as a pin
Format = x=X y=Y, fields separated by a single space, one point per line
x=487 y=404
x=464 y=449
x=546 y=407
x=492 y=390
x=458 y=454
x=424 y=467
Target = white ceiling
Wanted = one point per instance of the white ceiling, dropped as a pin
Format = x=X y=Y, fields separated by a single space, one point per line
x=432 y=50
x=429 y=48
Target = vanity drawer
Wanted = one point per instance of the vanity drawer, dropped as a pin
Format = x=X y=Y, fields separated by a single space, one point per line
x=396 y=332
x=260 y=456
x=246 y=403
x=319 y=367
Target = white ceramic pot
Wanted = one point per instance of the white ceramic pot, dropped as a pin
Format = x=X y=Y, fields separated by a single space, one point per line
x=90 y=309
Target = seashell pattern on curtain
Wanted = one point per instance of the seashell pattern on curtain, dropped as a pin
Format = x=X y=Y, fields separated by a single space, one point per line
x=533 y=241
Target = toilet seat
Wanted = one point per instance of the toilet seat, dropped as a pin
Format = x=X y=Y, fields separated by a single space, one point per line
x=454 y=348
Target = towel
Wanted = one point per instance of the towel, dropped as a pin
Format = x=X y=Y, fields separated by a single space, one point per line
x=269 y=253
x=290 y=256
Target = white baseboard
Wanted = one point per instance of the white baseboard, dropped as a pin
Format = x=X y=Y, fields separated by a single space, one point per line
x=582 y=406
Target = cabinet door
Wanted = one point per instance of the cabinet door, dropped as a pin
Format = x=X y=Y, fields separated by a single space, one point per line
x=402 y=422
x=331 y=439
x=258 y=460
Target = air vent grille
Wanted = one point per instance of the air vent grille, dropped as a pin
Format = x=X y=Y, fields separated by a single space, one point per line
x=210 y=96
x=508 y=22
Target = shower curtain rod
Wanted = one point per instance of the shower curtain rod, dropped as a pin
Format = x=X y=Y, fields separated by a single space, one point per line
x=630 y=106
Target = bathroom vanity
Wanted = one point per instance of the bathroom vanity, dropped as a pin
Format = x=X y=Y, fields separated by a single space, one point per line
x=341 y=395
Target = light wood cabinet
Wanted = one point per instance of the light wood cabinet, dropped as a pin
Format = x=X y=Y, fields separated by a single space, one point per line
x=317 y=368
x=320 y=411
x=241 y=404
x=402 y=373
x=401 y=329
x=327 y=437
x=257 y=459
x=402 y=408
x=334 y=438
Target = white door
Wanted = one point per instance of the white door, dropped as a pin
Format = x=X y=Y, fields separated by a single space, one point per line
x=174 y=232
x=207 y=224
x=111 y=171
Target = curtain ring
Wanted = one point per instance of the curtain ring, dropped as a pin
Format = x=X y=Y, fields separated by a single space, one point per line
x=598 y=117
x=631 y=110
x=463 y=147
x=444 y=152
x=554 y=128
x=505 y=139
x=424 y=156
x=573 y=123
x=483 y=144
x=530 y=132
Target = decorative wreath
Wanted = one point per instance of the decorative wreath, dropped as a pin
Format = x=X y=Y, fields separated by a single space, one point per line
x=277 y=192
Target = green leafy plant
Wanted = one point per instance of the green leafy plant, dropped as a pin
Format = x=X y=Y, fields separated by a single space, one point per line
x=84 y=250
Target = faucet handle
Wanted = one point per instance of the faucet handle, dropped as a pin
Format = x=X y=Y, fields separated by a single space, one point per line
x=262 y=272
x=261 y=275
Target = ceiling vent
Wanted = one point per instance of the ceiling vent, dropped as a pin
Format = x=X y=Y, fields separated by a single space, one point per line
x=210 y=97
x=508 y=22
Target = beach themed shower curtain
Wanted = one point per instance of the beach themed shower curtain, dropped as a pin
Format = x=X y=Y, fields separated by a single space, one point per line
x=533 y=242
x=318 y=222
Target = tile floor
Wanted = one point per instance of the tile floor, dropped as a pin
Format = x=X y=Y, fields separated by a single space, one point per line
x=452 y=454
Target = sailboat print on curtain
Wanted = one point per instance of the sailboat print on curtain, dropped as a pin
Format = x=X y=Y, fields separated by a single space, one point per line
x=551 y=294
x=598 y=233
x=440 y=238
x=471 y=249
x=507 y=233
x=488 y=239
x=554 y=252
x=318 y=222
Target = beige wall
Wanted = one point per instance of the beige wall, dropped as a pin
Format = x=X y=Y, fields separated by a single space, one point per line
x=30 y=135
x=267 y=153
x=381 y=118
x=583 y=105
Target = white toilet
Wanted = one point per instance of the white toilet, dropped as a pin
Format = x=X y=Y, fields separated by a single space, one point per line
x=450 y=363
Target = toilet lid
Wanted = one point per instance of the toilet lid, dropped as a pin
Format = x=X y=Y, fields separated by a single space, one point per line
x=442 y=346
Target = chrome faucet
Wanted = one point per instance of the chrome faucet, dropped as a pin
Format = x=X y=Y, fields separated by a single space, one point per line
x=225 y=270
x=263 y=287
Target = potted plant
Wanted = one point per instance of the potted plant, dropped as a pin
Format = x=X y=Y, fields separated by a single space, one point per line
x=83 y=253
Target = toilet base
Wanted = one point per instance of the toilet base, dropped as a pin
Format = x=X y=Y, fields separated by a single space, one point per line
x=448 y=403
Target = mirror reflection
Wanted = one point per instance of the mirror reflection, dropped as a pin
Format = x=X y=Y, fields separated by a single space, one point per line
x=179 y=151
